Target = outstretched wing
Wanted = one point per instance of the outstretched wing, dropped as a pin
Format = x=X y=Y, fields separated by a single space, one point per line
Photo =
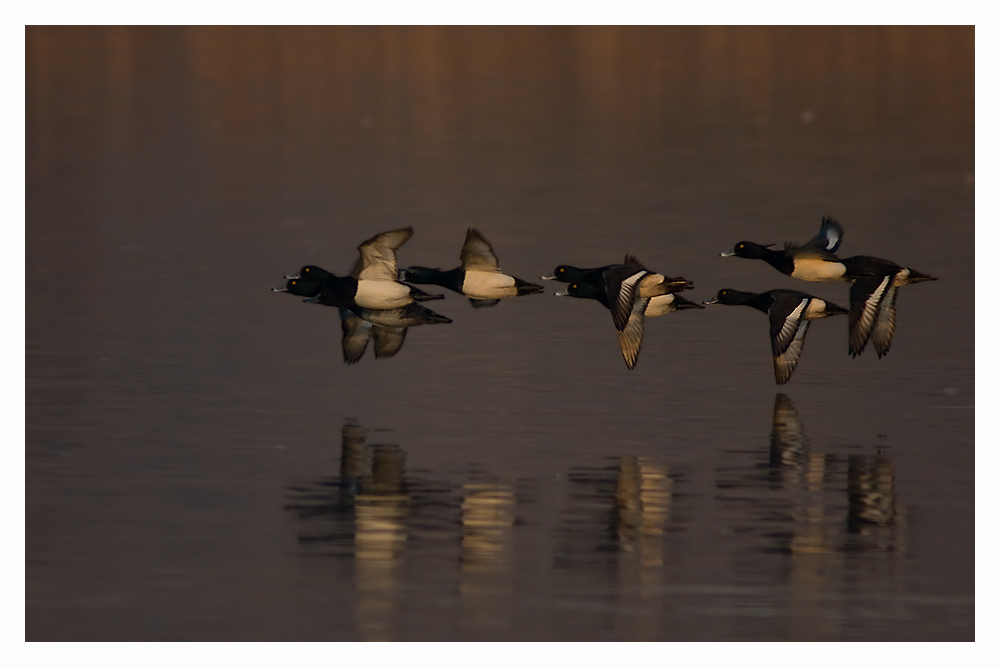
x=388 y=340
x=830 y=235
x=630 y=337
x=356 y=335
x=867 y=295
x=885 y=323
x=622 y=287
x=477 y=253
x=788 y=336
x=378 y=255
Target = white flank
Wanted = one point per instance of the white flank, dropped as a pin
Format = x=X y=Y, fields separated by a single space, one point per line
x=816 y=309
x=382 y=294
x=488 y=285
x=817 y=270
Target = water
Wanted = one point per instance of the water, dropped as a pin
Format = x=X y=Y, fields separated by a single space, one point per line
x=201 y=464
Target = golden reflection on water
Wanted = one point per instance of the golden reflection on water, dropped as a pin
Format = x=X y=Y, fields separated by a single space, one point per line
x=643 y=499
x=380 y=543
x=800 y=505
x=487 y=552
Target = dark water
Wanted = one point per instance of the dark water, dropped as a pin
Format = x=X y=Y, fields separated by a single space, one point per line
x=201 y=464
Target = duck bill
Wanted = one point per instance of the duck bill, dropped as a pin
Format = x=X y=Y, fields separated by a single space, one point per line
x=709 y=303
x=552 y=277
x=561 y=293
x=279 y=289
x=293 y=276
x=726 y=254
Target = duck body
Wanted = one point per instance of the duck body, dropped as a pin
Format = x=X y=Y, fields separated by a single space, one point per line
x=388 y=338
x=874 y=287
x=668 y=303
x=478 y=277
x=367 y=293
x=627 y=290
x=372 y=290
x=813 y=261
x=875 y=282
x=790 y=312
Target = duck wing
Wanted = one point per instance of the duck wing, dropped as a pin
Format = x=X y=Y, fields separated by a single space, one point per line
x=378 y=255
x=885 y=323
x=630 y=337
x=622 y=287
x=788 y=335
x=388 y=340
x=483 y=303
x=477 y=253
x=867 y=296
x=356 y=335
x=829 y=237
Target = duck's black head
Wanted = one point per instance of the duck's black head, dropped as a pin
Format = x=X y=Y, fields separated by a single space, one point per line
x=565 y=273
x=313 y=273
x=731 y=297
x=584 y=290
x=300 y=287
x=749 y=250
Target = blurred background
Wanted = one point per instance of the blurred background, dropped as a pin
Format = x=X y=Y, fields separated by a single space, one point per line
x=202 y=465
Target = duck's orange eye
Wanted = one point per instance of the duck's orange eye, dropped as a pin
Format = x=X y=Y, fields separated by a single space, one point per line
x=295 y=282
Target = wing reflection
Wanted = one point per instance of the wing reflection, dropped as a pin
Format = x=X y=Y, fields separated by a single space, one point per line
x=872 y=518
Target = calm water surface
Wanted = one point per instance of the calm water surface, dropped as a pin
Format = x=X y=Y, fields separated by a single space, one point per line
x=201 y=464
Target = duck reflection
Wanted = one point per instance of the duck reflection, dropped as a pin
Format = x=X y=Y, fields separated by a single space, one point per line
x=616 y=522
x=380 y=510
x=872 y=518
x=795 y=505
x=788 y=443
x=365 y=512
x=643 y=496
x=488 y=514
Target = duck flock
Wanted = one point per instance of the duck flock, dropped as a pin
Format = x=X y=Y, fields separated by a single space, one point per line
x=378 y=302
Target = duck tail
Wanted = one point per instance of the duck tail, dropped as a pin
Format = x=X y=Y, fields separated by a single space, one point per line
x=677 y=284
x=681 y=303
x=524 y=287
